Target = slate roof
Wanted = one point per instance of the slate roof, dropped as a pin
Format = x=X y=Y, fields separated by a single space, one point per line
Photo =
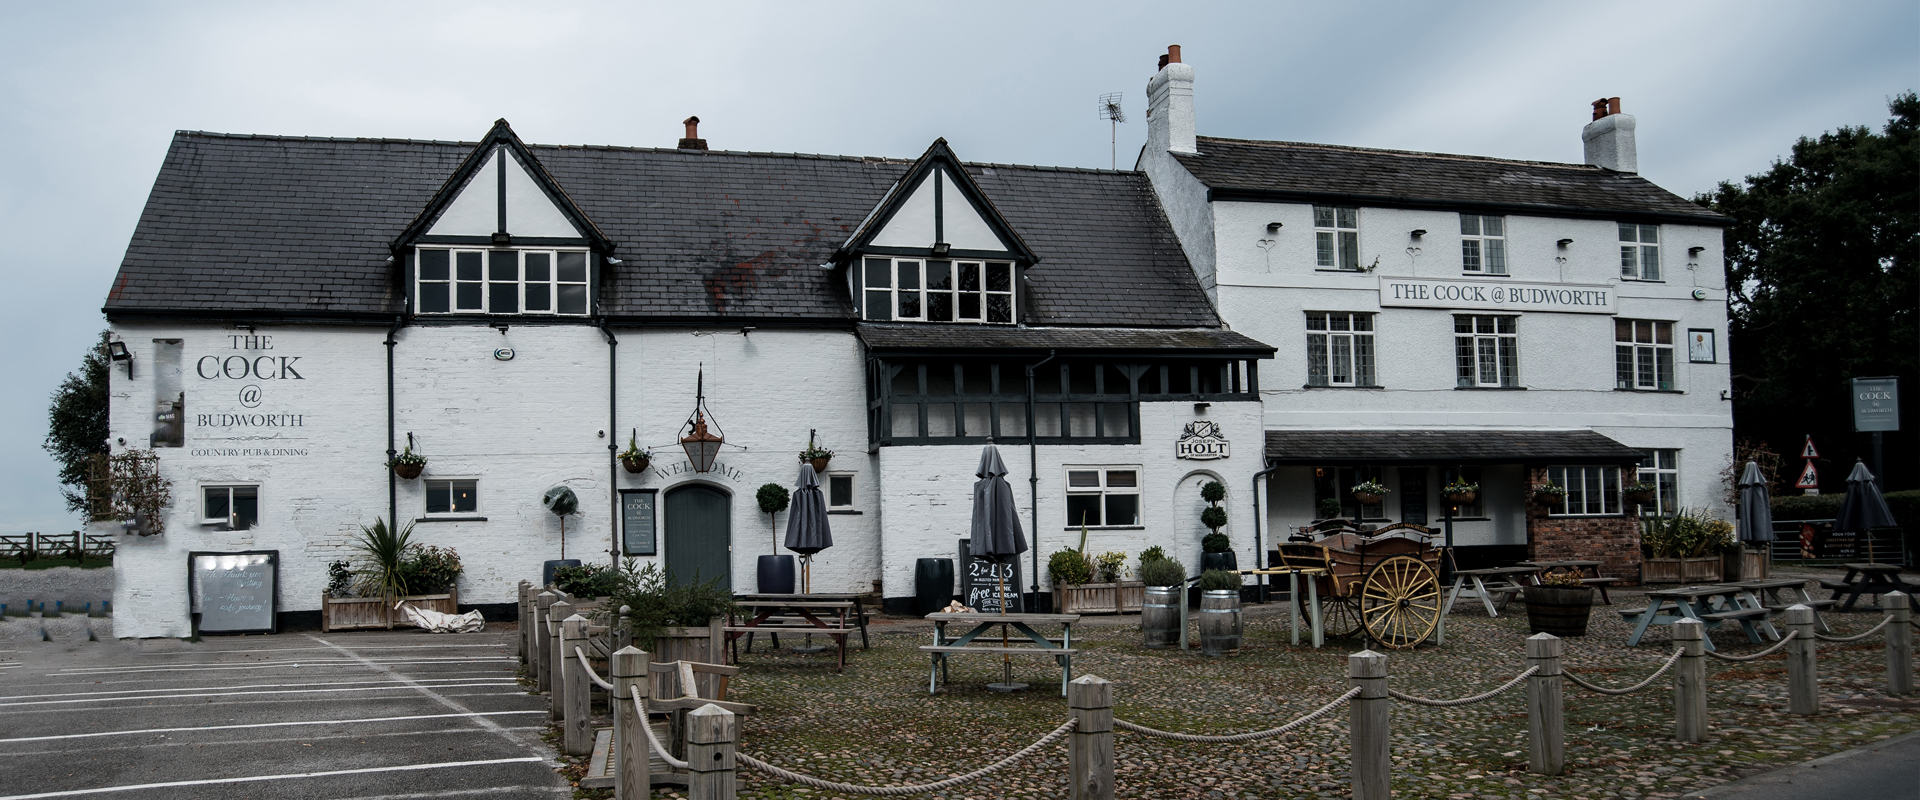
x=291 y=226
x=1247 y=169
x=1445 y=446
x=904 y=337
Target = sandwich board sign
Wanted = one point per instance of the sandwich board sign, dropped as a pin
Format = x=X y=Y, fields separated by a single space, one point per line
x=234 y=592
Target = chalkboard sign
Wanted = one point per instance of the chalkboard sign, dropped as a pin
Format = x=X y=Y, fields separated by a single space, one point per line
x=234 y=592
x=637 y=508
x=980 y=582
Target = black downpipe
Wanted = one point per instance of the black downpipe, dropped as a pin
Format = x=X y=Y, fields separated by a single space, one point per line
x=1033 y=481
x=613 y=465
x=393 y=491
x=1259 y=551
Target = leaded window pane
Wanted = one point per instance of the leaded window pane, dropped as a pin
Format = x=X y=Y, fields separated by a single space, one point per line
x=1317 y=359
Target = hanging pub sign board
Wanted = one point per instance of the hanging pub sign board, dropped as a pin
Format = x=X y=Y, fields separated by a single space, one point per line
x=1809 y=478
x=637 y=508
x=1201 y=440
x=234 y=592
x=980 y=582
x=1876 y=404
x=1808 y=451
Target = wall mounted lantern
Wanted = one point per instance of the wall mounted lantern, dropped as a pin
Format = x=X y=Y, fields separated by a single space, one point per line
x=117 y=351
x=699 y=437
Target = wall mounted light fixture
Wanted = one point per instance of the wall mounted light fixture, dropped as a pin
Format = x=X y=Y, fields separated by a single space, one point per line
x=117 y=351
x=1274 y=227
x=1419 y=232
x=1565 y=242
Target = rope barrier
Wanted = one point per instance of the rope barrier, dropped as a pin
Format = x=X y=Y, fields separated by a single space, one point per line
x=901 y=791
x=589 y=669
x=1762 y=654
x=1236 y=738
x=1671 y=660
x=1422 y=701
x=1858 y=636
x=634 y=694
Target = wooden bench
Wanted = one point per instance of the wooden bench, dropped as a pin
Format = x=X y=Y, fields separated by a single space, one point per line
x=1737 y=614
x=1012 y=650
x=1813 y=604
x=1601 y=584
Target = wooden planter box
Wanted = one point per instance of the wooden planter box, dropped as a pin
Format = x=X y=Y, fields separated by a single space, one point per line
x=363 y=613
x=1704 y=569
x=703 y=644
x=1123 y=597
x=1758 y=565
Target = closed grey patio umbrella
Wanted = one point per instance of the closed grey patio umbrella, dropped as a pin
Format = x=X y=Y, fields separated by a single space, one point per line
x=1756 y=507
x=997 y=537
x=807 y=531
x=1863 y=509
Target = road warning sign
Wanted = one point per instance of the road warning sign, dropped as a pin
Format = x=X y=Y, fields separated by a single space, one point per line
x=1808 y=451
x=1809 y=478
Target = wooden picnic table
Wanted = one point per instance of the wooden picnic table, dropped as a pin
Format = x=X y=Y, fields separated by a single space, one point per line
x=1713 y=605
x=791 y=614
x=1036 y=643
x=1771 y=589
x=1588 y=570
x=1502 y=581
x=1293 y=599
x=1875 y=579
x=859 y=610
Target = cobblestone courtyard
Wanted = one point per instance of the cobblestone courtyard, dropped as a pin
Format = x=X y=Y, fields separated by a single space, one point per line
x=876 y=725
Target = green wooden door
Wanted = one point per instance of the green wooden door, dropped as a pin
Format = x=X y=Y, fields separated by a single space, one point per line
x=699 y=531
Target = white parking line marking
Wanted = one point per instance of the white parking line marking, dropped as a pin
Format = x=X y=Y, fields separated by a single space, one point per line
x=254 y=740
x=531 y=745
x=253 y=778
x=4 y=698
x=294 y=649
x=405 y=685
x=460 y=793
x=263 y=725
x=248 y=703
x=451 y=674
x=285 y=665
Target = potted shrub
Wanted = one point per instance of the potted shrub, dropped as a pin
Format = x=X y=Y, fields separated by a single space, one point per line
x=1550 y=495
x=1637 y=494
x=635 y=458
x=1560 y=606
x=672 y=621
x=817 y=456
x=431 y=575
x=587 y=581
x=1460 y=492
x=1220 y=621
x=1329 y=508
x=1074 y=590
x=1160 y=613
x=1683 y=548
x=408 y=464
x=1216 y=553
x=1371 y=493
x=776 y=571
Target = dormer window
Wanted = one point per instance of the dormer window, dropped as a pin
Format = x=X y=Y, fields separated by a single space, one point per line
x=475 y=281
x=938 y=290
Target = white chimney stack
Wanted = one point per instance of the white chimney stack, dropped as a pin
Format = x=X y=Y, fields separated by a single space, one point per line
x=1609 y=138
x=1170 y=105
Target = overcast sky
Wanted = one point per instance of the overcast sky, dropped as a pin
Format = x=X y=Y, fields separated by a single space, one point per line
x=91 y=94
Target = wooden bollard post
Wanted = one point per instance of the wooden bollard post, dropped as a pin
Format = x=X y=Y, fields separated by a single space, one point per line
x=520 y=619
x=1090 y=746
x=1690 y=682
x=537 y=640
x=632 y=753
x=710 y=736
x=1899 y=638
x=1546 y=707
x=1372 y=754
x=576 y=688
x=556 y=659
x=1803 y=675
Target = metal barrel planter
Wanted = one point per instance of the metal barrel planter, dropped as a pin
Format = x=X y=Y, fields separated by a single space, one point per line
x=1559 y=610
x=1220 y=623
x=1160 y=616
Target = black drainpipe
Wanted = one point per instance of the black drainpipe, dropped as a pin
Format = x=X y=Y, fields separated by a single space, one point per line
x=1260 y=552
x=1033 y=480
x=393 y=492
x=613 y=466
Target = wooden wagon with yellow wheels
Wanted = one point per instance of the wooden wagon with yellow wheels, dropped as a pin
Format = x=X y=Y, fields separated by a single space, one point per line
x=1385 y=583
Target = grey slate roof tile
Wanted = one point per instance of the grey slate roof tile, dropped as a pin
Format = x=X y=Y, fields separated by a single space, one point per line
x=1445 y=446
x=1299 y=167
x=909 y=336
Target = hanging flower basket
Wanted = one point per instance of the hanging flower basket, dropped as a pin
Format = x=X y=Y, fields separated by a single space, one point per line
x=1371 y=493
x=408 y=464
x=1461 y=493
x=817 y=456
x=1549 y=495
x=635 y=464
x=635 y=458
x=1638 y=494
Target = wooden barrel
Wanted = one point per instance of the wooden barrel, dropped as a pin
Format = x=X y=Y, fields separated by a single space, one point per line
x=1559 y=610
x=1220 y=622
x=1160 y=616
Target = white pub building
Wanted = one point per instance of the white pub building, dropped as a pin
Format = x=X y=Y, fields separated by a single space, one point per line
x=1291 y=317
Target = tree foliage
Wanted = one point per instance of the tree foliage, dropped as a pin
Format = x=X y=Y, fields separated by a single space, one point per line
x=1822 y=252
x=77 y=423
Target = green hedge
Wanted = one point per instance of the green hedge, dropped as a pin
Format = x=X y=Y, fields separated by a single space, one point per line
x=1905 y=506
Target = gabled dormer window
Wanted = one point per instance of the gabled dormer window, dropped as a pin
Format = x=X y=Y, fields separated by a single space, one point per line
x=521 y=281
x=938 y=290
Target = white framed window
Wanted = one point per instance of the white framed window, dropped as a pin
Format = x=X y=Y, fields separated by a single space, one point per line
x=1339 y=348
x=1486 y=350
x=1662 y=469
x=452 y=496
x=1639 y=251
x=461 y=281
x=1483 y=244
x=938 y=290
x=1591 y=491
x=236 y=506
x=1103 y=496
x=1642 y=354
x=1336 y=237
x=839 y=491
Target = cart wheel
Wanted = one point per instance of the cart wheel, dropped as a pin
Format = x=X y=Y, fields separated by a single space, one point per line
x=1400 y=602
x=1340 y=617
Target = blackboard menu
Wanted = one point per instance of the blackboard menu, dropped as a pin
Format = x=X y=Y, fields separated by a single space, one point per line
x=637 y=509
x=980 y=582
x=234 y=592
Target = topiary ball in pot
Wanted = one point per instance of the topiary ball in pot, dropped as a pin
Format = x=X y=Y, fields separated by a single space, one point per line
x=1216 y=552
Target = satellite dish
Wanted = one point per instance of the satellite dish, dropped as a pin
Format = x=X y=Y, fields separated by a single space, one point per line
x=561 y=501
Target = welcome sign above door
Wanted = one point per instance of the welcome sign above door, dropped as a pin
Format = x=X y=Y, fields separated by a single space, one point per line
x=1497 y=295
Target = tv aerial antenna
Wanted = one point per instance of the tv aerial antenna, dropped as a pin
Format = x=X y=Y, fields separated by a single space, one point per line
x=1110 y=111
